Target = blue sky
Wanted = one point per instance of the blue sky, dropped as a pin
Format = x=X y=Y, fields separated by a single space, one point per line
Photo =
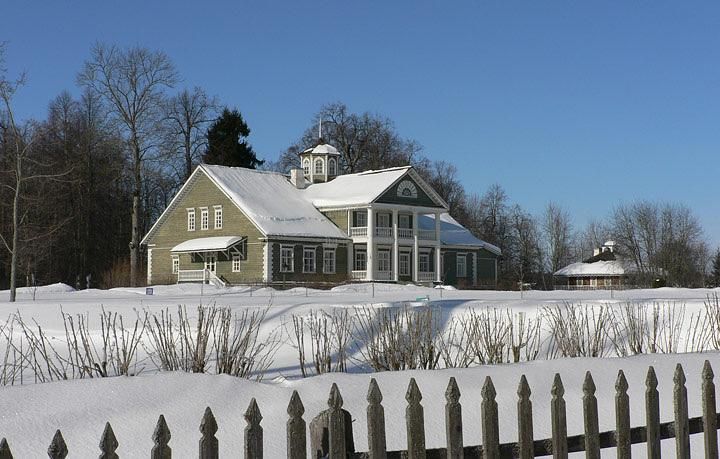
x=588 y=104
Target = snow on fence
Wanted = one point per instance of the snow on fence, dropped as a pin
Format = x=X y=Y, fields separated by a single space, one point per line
x=331 y=431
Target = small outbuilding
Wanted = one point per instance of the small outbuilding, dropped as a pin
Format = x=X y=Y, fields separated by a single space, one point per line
x=605 y=269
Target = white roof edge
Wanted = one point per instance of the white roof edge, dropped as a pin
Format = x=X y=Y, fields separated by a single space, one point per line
x=207 y=244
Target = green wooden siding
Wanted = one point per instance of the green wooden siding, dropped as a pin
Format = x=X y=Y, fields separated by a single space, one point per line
x=297 y=274
x=339 y=218
x=173 y=230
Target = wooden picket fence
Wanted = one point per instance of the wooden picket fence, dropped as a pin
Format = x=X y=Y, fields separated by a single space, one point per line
x=331 y=431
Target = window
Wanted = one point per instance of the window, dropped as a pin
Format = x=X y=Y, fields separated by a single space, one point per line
x=329 y=261
x=218 y=217
x=236 y=263
x=332 y=167
x=319 y=166
x=287 y=259
x=424 y=262
x=191 y=219
x=578 y=281
x=404 y=261
x=204 y=218
x=309 y=259
x=360 y=218
x=461 y=265
x=360 y=260
x=404 y=221
x=306 y=166
x=175 y=264
x=383 y=260
x=383 y=220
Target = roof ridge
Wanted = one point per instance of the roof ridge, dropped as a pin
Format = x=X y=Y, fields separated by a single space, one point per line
x=244 y=169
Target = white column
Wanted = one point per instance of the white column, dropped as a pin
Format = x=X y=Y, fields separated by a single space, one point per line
x=437 y=247
x=267 y=262
x=396 y=247
x=370 y=244
x=416 y=248
x=149 y=266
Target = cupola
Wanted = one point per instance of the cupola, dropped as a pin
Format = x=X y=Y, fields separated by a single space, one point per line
x=320 y=163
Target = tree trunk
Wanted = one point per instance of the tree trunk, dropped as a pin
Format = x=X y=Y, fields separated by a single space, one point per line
x=135 y=230
x=16 y=225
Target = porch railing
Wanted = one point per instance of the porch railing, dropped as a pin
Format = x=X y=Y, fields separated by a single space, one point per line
x=359 y=231
x=382 y=231
x=358 y=275
x=192 y=275
x=426 y=235
x=384 y=275
x=426 y=276
x=405 y=233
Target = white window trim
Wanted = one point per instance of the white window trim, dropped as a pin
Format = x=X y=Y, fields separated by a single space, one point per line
x=425 y=255
x=291 y=268
x=457 y=265
x=191 y=219
x=382 y=260
x=175 y=264
x=408 y=270
x=383 y=220
x=326 y=251
x=355 y=259
x=321 y=163
x=332 y=167
x=218 y=212
x=204 y=219
x=357 y=218
x=313 y=250
x=306 y=166
x=236 y=263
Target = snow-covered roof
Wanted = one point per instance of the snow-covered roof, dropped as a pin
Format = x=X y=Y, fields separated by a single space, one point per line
x=598 y=268
x=272 y=203
x=207 y=244
x=453 y=233
x=353 y=189
x=323 y=149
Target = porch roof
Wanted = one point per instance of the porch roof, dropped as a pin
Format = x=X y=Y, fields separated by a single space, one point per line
x=207 y=244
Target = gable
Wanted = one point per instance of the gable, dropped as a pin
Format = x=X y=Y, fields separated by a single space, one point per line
x=407 y=191
x=199 y=191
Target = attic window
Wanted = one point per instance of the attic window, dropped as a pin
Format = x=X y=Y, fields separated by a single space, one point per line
x=319 y=166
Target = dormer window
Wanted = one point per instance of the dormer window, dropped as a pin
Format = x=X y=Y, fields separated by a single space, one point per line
x=306 y=166
x=332 y=167
x=319 y=166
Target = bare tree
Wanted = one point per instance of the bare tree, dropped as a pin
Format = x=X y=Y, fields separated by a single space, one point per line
x=132 y=82
x=557 y=230
x=188 y=114
x=21 y=169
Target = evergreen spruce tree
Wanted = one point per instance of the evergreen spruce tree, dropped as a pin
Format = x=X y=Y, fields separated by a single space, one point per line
x=227 y=142
x=715 y=272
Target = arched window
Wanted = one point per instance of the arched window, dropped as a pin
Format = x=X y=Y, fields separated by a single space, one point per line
x=306 y=166
x=319 y=166
x=332 y=167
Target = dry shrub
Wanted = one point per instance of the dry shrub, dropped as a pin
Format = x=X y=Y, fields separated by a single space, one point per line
x=577 y=330
x=401 y=338
x=328 y=335
x=238 y=351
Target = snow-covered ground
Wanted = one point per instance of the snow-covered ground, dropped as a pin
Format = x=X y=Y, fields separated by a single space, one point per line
x=31 y=413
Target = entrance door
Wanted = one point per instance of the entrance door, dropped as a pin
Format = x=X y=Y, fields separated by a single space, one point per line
x=211 y=263
x=404 y=263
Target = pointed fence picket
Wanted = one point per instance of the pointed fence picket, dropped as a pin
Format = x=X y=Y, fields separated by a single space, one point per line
x=331 y=430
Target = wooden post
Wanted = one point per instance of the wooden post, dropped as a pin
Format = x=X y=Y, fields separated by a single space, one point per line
x=558 y=419
x=490 y=427
x=526 y=448
x=590 y=413
x=58 y=448
x=652 y=415
x=709 y=410
x=209 y=448
x=415 y=422
x=622 y=417
x=5 y=450
x=108 y=443
x=161 y=438
x=377 y=448
x=336 y=425
x=680 y=405
x=253 y=432
x=453 y=421
x=296 y=429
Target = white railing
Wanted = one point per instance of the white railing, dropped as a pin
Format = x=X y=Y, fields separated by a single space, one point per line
x=384 y=275
x=426 y=276
x=216 y=281
x=358 y=231
x=358 y=275
x=191 y=275
x=405 y=233
x=382 y=231
x=426 y=235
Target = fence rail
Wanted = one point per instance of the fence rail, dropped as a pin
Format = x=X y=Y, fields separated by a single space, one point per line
x=331 y=431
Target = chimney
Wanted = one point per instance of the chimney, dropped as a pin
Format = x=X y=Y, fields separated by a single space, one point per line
x=297 y=178
x=596 y=252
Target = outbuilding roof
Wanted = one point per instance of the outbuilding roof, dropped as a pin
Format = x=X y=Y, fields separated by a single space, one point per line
x=598 y=268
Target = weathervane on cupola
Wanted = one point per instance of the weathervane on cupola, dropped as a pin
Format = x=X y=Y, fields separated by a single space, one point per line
x=320 y=163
